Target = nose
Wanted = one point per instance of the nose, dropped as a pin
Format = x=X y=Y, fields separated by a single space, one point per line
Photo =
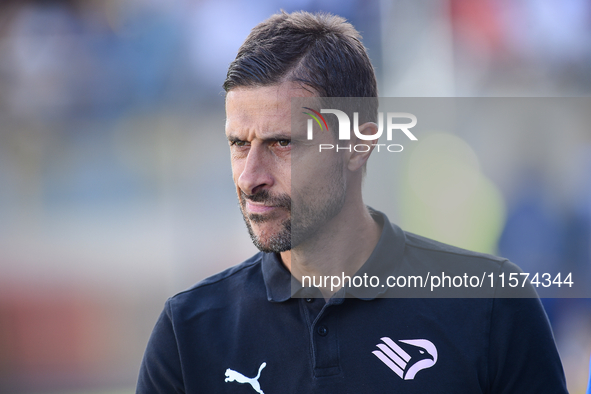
x=256 y=171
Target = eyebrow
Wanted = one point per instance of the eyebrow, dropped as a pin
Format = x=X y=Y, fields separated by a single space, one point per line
x=274 y=138
x=232 y=138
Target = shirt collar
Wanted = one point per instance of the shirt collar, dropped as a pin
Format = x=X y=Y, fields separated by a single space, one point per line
x=382 y=262
x=278 y=279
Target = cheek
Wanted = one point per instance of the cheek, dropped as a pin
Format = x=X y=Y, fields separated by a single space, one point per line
x=237 y=168
x=283 y=173
x=314 y=167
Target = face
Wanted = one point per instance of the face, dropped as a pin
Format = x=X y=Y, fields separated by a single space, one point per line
x=279 y=215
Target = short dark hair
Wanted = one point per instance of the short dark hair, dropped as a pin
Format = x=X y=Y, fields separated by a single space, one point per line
x=321 y=50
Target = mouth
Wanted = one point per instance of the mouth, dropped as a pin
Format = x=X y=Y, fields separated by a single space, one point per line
x=258 y=208
x=263 y=203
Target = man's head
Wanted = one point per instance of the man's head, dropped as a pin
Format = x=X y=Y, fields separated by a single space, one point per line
x=286 y=56
x=322 y=52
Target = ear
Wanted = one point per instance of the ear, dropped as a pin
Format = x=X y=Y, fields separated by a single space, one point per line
x=358 y=159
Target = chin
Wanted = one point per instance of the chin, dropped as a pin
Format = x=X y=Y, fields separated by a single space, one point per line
x=272 y=236
x=266 y=231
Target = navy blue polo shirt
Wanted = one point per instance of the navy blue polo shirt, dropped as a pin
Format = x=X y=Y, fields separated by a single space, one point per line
x=240 y=331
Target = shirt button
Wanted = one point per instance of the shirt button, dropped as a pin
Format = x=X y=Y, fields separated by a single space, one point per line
x=309 y=299
x=322 y=331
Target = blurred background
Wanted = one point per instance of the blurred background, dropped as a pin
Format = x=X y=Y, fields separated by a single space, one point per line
x=115 y=181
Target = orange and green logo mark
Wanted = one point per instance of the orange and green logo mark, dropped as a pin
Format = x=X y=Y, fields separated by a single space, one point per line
x=316 y=115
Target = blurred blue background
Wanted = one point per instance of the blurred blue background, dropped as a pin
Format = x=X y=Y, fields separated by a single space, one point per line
x=115 y=183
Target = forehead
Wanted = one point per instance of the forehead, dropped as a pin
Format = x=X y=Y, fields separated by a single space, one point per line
x=261 y=107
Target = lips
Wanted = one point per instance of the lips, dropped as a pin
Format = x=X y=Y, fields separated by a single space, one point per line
x=263 y=202
x=253 y=207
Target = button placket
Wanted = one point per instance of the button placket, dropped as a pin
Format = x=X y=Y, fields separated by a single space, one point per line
x=325 y=343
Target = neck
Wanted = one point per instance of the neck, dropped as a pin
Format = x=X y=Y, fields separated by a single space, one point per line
x=342 y=246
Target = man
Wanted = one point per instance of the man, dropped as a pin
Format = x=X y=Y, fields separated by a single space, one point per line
x=241 y=331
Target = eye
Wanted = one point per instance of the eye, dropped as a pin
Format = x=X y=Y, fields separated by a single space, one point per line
x=238 y=143
x=284 y=143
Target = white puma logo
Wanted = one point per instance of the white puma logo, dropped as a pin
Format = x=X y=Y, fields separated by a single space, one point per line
x=232 y=376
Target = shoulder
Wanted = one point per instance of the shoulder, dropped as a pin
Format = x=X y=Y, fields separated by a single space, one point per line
x=220 y=290
x=235 y=273
x=428 y=250
x=468 y=274
x=430 y=246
